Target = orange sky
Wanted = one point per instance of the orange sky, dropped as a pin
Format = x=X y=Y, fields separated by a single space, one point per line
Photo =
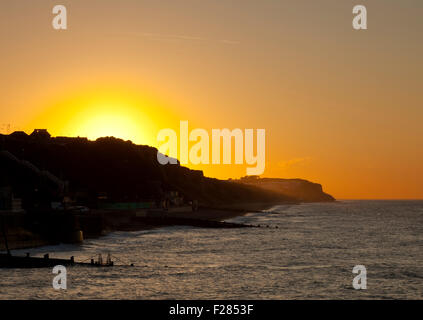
x=340 y=107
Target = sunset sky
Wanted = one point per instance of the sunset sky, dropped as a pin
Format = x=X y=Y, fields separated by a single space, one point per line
x=340 y=107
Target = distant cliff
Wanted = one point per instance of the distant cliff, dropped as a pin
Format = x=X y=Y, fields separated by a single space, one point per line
x=303 y=190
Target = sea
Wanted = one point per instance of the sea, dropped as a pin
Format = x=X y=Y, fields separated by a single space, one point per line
x=305 y=251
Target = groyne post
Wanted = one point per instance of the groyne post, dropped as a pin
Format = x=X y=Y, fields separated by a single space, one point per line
x=5 y=236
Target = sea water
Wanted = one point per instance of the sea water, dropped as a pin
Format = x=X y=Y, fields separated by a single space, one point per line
x=310 y=255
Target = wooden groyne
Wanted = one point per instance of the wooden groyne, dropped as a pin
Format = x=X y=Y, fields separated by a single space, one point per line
x=175 y=221
x=11 y=261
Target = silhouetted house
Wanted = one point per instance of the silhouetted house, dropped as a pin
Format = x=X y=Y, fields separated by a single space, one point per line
x=6 y=197
x=18 y=135
x=16 y=204
x=40 y=134
x=172 y=198
x=8 y=201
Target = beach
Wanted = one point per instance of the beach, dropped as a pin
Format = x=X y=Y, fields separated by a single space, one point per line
x=98 y=223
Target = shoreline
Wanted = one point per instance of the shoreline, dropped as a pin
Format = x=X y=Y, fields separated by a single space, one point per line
x=205 y=217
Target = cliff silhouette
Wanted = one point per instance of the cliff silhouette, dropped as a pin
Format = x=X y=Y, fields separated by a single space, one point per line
x=41 y=169
x=300 y=189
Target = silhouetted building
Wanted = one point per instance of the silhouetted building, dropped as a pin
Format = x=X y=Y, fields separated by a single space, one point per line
x=6 y=197
x=8 y=201
x=19 y=135
x=41 y=134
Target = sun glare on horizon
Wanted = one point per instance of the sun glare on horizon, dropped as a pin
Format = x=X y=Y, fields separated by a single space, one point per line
x=97 y=113
x=117 y=125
